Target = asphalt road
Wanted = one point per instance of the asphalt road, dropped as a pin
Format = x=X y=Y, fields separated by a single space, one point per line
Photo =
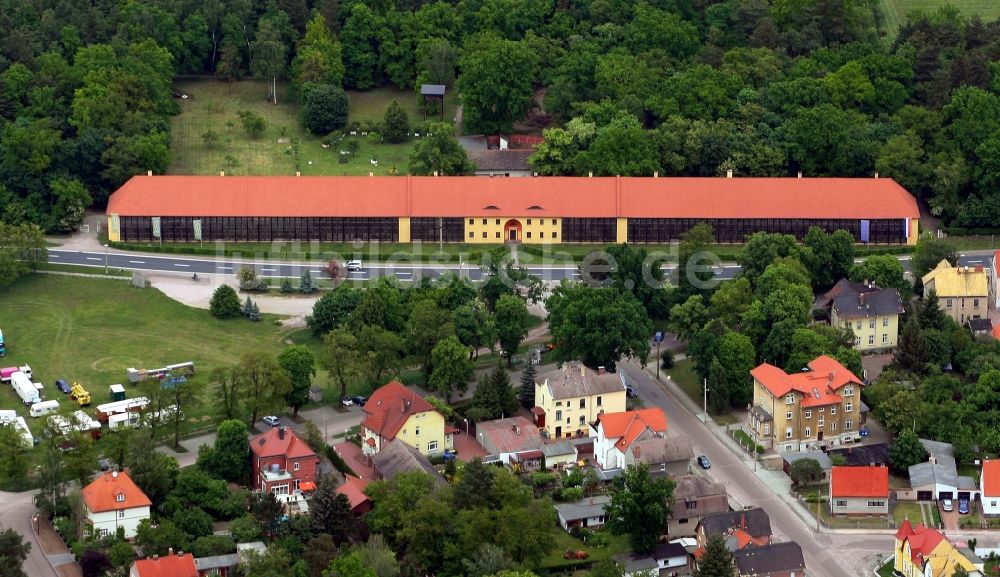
x=403 y=272
x=16 y=513
x=826 y=555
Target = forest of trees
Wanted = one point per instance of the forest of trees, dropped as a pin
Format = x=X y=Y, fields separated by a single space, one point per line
x=683 y=87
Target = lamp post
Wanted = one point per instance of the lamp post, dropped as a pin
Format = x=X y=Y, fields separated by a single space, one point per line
x=105 y=259
x=658 y=360
x=326 y=430
x=466 y=427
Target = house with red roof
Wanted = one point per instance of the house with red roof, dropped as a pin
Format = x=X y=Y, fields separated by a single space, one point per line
x=921 y=551
x=354 y=489
x=395 y=411
x=989 y=487
x=113 y=502
x=859 y=491
x=282 y=463
x=171 y=565
x=819 y=406
x=512 y=441
x=639 y=437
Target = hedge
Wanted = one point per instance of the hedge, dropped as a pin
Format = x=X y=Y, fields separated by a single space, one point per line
x=338 y=461
x=962 y=231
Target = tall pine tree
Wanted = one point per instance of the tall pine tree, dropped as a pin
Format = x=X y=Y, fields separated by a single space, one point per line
x=931 y=315
x=717 y=560
x=494 y=396
x=330 y=511
x=528 y=385
x=912 y=353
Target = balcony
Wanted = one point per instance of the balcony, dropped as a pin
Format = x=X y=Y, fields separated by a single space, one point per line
x=272 y=475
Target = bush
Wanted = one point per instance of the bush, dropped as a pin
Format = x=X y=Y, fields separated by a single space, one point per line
x=324 y=108
x=571 y=494
x=249 y=281
x=286 y=286
x=225 y=304
x=666 y=360
x=397 y=123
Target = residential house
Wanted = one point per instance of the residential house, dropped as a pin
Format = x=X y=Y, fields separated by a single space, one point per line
x=216 y=565
x=995 y=279
x=817 y=407
x=963 y=292
x=639 y=437
x=559 y=454
x=774 y=560
x=871 y=313
x=989 y=487
x=113 y=501
x=282 y=463
x=397 y=412
x=504 y=162
x=980 y=327
x=739 y=528
x=694 y=497
x=568 y=399
x=354 y=489
x=859 y=491
x=875 y=454
x=922 y=551
x=398 y=457
x=170 y=565
x=665 y=559
x=514 y=440
x=587 y=513
x=938 y=478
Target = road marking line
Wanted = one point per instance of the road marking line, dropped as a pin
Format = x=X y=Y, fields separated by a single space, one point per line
x=53 y=255
x=179 y=264
x=267 y=270
x=975 y=261
x=399 y=272
x=137 y=261
x=93 y=258
x=225 y=268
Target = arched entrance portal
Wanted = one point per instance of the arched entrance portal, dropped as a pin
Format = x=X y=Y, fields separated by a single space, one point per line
x=512 y=230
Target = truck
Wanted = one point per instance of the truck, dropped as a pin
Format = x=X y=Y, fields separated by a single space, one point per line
x=178 y=370
x=79 y=394
x=25 y=388
x=3 y=346
x=136 y=405
x=7 y=372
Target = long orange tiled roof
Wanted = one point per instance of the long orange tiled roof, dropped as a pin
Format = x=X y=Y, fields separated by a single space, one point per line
x=859 y=482
x=818 y=385
x=991 y=478
x=470 y=196
x=103 y=493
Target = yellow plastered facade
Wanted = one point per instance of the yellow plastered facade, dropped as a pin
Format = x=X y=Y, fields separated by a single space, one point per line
x=622 y=230
x=494 y=229
x=404 y=229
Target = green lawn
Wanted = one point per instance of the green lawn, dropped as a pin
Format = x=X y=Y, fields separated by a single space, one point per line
x=903 y=510
x=886 y=570
x=370 y=105
x=895 y=11
x=91 y=330
x=213 y=103
x=561 y=541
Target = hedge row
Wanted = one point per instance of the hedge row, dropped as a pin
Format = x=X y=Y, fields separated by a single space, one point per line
x=962 y=231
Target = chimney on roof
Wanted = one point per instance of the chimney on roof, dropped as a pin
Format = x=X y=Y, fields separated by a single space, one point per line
x=281 y=432
x=729 y=173
x=156 y=557
x=590 y=174
x=800 y=174
x=149 y=173
x=656 y=174
x=861 y=298
x=222 y=173
x=600 y=370
x=298 y=173
x=876 y=175
x=517 y=430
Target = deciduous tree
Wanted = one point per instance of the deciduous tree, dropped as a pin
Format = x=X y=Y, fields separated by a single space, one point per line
x=262 y=380
x=496 y=82
x=511 y=318
x=439 y=152
x=640 y=508
x=342 y=361
x=597 y=325
x=324 y=108
x=452 y=367
x=906 y=451
x=299 y=364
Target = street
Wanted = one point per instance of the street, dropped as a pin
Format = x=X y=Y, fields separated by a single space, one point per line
x=826 y=555
x=15 y=513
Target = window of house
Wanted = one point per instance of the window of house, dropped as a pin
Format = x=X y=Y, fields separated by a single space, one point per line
x=949 y=303
x=541 y=235
x=555 y=234
x=583 y=403
x=789 y=399
x=885 y=322
x=849 y=425
x=121 y=514
x=498 y=221
x=857 y=341
x=885 y=338
x=809 y=414
x=809 y=431
x=528 y=234
x=833 y=410
x=472 y=221
x=484 y=234
x=472 y=234
x=858 y=325
x=690 y=504
x=788 y=433
x=788 y=416
x=120 y=497
x=558 y=415
x=498 y=234
x=871 y=339
x=432 y=446
x=583 y=420
x=821 y=422
x=598 y=401
x=975 y=303
x=103 y=532
x=841 y=503
x=848 y=407
x=876 y=503
x=295 y=467
x=848 y=391
x=417 y=432
x=871 y=323
x=767 y=428
x=529 y=221
x=484 y=221
x=833 y=426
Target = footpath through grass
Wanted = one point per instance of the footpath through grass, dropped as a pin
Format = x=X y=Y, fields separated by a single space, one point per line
x=211 y=104
x=91 y=330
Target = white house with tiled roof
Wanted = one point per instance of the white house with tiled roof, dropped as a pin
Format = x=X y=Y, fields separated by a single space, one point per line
x=113 y=501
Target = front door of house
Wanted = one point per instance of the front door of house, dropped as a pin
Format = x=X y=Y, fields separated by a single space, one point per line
x=512 y=230
x=558 y=432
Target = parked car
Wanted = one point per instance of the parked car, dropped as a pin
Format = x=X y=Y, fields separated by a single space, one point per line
x=346 y=401
x=63 y=386
x=963 y=505
x=359 y=400
x=354 y=265
x=947 y=505
x=630 y=392
x=271 y=420
x=704 y=462
x=103 y=464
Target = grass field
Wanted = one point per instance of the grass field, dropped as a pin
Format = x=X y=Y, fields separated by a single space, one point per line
x=212 y=104
x=91 y=330
x=895 y=11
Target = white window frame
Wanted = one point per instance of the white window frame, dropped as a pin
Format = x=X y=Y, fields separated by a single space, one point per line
x=871 y=339
x=432 y=446
x=788 y=416
x=848 y=406
x=885 y=338
x=848 y=391
x=885 y=322
x=789 y=399
x=808 y=432
x=788 y=432
x=295 y=466
x=871 y=323
x=849 y=425
x=833 y=410
x=808 y=414
x=833 y=425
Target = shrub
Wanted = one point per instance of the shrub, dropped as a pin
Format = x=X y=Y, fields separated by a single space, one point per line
x=332 y=269
x=324 y=108
x=666 y=360
x=249 y=281
x=225 y=304
x=286 y=286
x=570 y=494
x=397 y=123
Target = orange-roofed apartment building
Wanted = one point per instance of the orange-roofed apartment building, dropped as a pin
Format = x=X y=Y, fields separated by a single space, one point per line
x=924 y=552
x=494 y=210
x=989 y=485
x=282 y=463
x=859 y=491
x=170 y=565
x=817 y=407
x=396 y=412
x=113 y=501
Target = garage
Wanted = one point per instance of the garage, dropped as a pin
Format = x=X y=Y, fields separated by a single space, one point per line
x=925 y=495
x=944 y=495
